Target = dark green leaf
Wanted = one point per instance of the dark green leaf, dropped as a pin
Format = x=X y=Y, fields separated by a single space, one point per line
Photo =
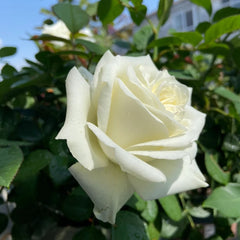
x=225 y=12
x=3 y=222
x=202 y=27
x=72 y=15
x=214 y=48
x=165 y=41
x=92 y=47
x=138 y=14
x=8 y=71
x=226 y=200
x=226 y=25
x=206 y=4
x=128 y=226
x=77 y=206
x=36 y=161
x=193 y=38
x=236 y=55
x=58 y=170
x=151 y=211
x=108 y=10
x=182 y=75
x=172 y=207
x=214 y=169
x=141 y=37
x=6 y=143
x=163 y=11
x=47 y=37
x=234 y=98
x=10 y=161
x=89 y=233
x=7 y=51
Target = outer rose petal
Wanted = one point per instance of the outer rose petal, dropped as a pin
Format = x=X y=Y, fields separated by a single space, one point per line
x=107 y=187
x=127 y=162
x=73 y=130
x=182 y=175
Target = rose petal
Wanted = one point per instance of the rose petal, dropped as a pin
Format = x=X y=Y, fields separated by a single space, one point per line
x=127 y=162
x=195 y=122
x=182 y=175
x=130 y=122
x=103 y=81
x=173 y=154
x=73 y=130
x=108 y=188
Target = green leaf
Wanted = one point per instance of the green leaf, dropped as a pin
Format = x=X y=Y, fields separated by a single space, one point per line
x=206 y=4
x=72 y=15
x=138 y=13
x=172 y=207
x=7 y=51
x=10 y=161
x=225 y=12
x=214 y=48
x=226 y=200
x=163 y=11
x=47 y=37
x=226 y=25
x=214 y=169
x=231 y=143
x=7 y=143
x=89 y=233
x=202 y=27
x=3 y=222
x=108 y=10
x=151 y=211
x=193 y=38
x=128 y=226
x=234 y=98
x=141 y=37
x=92 y=47
x=58 y=170
x=8 y=71
x=92 y=9
x=198 y=212
x=35 y=161
x=136 y=202
x=77 y=206
x=153 y=231
x=165 y=41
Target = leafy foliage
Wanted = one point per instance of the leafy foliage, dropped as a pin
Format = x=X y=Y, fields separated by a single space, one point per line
x=34 y=166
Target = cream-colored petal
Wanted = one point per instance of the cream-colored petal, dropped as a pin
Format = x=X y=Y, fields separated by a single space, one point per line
x=164 y=154
x=103 y=80
x=73 y=130
x=108 y=188
x=127 y=162
x=130 y=122
x=86 y=74
x=193 y=121
x=182 y=175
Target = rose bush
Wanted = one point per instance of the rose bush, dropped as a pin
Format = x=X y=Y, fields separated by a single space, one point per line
x=132 y=129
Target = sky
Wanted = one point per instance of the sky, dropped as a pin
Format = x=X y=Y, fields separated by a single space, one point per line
x=19 y=21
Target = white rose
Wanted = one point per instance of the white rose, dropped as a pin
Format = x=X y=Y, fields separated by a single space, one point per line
x=132 y=129
x=59 y=29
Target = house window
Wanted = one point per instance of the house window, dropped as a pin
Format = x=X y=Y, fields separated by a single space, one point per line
x=189 y=18
x=178 y=22
x=225 y=1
